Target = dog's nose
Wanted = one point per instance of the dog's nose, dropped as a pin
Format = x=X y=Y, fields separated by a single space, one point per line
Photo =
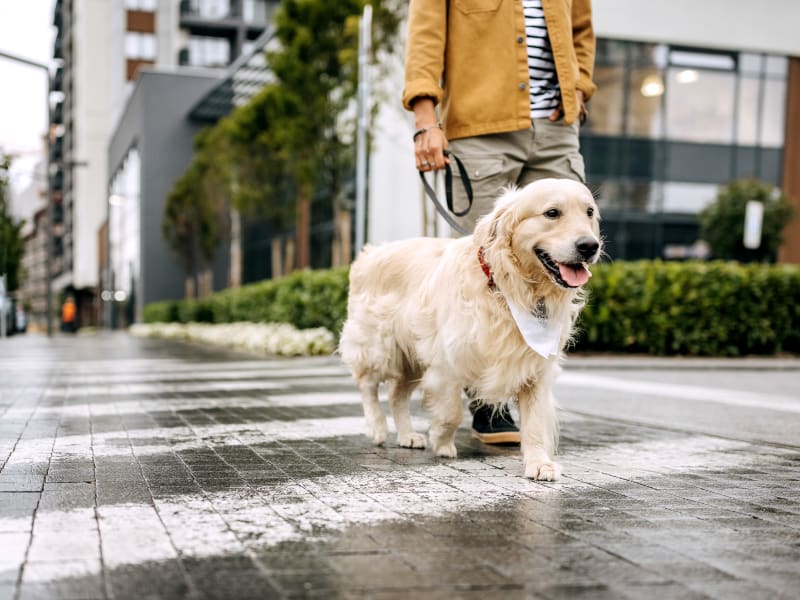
x=587 y=247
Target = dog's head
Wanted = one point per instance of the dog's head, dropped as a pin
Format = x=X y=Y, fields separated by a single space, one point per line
x=547 y=231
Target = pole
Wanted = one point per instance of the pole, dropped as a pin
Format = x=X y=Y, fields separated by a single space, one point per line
x=49 y=261
x=364 y=47
x=3 y=306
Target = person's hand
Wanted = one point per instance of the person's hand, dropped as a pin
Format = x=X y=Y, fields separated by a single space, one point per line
x=430 y=141
x=582 y=111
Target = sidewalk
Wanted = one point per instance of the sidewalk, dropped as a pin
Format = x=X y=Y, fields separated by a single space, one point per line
x=144 y=469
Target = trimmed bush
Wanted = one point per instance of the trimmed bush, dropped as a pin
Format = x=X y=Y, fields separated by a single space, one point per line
x=722 y=221
x=305 y=299
x=693 y=308
x=661 y=308
x=161 y=312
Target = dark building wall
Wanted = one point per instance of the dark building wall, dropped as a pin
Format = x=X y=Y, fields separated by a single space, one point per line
x=155 y=122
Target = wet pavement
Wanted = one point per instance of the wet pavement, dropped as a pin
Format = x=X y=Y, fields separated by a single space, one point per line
x=146 y=469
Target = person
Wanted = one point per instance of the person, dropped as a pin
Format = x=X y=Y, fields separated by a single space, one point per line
x=503 y=84
x=68 y=315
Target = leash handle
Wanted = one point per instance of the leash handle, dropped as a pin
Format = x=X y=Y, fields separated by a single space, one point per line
x=448 y=190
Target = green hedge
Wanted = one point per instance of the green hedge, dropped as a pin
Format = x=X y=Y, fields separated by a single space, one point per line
x=693 y=308
x=305 y=299
x=654 y=307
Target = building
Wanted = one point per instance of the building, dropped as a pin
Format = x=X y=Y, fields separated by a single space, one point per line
x=148 y=150
x=32 y=294
x=682 y=108
x=99 y=48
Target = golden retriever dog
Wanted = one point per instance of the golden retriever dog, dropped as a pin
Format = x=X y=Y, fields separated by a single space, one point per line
x=489 y=313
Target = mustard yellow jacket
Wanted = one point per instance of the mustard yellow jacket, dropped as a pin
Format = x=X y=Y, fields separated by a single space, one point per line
x=471 y=55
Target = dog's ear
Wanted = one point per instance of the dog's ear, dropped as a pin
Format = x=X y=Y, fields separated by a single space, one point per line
x=486 y=229
x=496 y=224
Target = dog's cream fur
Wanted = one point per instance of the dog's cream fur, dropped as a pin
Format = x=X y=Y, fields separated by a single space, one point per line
x=421 y=312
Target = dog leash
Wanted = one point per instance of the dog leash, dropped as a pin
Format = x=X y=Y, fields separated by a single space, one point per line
x=448 y=190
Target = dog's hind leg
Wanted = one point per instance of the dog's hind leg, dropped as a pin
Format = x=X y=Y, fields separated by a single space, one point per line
x=399 y=396
x=376 y=418
x=444 y=403
x=539 y=430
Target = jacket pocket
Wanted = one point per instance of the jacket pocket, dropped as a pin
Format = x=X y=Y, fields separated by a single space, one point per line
x=477 y=6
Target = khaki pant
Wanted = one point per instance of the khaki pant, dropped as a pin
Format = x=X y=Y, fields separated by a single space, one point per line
x=515 y=158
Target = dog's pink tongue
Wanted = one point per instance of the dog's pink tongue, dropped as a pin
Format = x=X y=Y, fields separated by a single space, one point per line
x=574 y=275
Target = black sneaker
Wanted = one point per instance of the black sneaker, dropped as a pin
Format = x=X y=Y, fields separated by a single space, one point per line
x=494 y=426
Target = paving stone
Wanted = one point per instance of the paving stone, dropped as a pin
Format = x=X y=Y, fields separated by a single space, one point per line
x=148 y=469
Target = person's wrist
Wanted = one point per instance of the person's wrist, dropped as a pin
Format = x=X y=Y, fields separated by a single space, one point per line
x=421 y=130
x=424 y=112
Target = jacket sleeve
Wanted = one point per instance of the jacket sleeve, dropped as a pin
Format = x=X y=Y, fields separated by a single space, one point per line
x=425 y=45
x=584 y=40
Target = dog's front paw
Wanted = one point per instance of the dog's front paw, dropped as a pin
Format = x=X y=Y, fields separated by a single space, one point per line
x=543 y=471
x=446 y=450
x=379 y=434
x=412 y=440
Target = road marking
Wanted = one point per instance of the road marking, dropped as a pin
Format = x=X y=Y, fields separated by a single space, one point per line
x=684 y=392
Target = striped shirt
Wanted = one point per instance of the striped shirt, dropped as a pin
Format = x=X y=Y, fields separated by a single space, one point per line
x=545 y=92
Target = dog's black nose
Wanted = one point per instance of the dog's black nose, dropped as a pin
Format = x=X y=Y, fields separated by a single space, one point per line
x=587 y=247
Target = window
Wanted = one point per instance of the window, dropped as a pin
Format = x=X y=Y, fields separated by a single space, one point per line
x=208 y=52
x=773 y=113
x=140 y=46
x=144 y=5
x=607 y=104
x=645 y=88
x=700 y=105
x=215 y=9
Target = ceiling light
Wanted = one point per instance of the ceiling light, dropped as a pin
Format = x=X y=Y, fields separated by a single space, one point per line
x=687 y=76
x=652 y=85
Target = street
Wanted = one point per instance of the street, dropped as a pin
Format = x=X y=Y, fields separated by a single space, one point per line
x=136 y=468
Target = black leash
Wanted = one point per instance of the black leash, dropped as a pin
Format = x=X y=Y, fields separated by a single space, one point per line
x=448 y=190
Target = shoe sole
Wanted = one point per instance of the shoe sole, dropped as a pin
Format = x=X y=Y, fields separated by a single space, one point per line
x=501 y=437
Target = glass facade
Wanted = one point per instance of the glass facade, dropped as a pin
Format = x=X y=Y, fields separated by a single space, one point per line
x=669 y=125
x=120 y=290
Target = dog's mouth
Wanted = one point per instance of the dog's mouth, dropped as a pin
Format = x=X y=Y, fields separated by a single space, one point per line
x=564 y=274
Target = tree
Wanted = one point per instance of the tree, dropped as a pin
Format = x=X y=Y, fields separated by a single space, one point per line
x=316 y=77
x=12 y=246
x=195 y=215
x=722 y=222
x=293 y=142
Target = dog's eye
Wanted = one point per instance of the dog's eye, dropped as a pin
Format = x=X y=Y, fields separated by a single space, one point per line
x=552 y=213
x=590 y=211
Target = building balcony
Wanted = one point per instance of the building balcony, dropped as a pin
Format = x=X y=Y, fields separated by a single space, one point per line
x=57 y=83
x=58 y=212
x=57 y=181
x=58 y=46
x=57 y=115
x=252 y=15
x=57 y=14
x=57 y=150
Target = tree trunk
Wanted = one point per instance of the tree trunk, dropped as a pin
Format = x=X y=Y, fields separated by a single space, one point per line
x=205 y=283
x=188 y=286
x=303 y=224
x=342 y=246
x=276 y=258
x=288 y=265
x=235 y=268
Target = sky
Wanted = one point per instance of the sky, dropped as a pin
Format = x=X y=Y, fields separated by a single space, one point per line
x=25 y=30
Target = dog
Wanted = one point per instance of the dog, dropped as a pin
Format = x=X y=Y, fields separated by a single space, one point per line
x=489 y=313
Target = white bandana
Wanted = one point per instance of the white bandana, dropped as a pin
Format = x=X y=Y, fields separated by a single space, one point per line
x=543 y=335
